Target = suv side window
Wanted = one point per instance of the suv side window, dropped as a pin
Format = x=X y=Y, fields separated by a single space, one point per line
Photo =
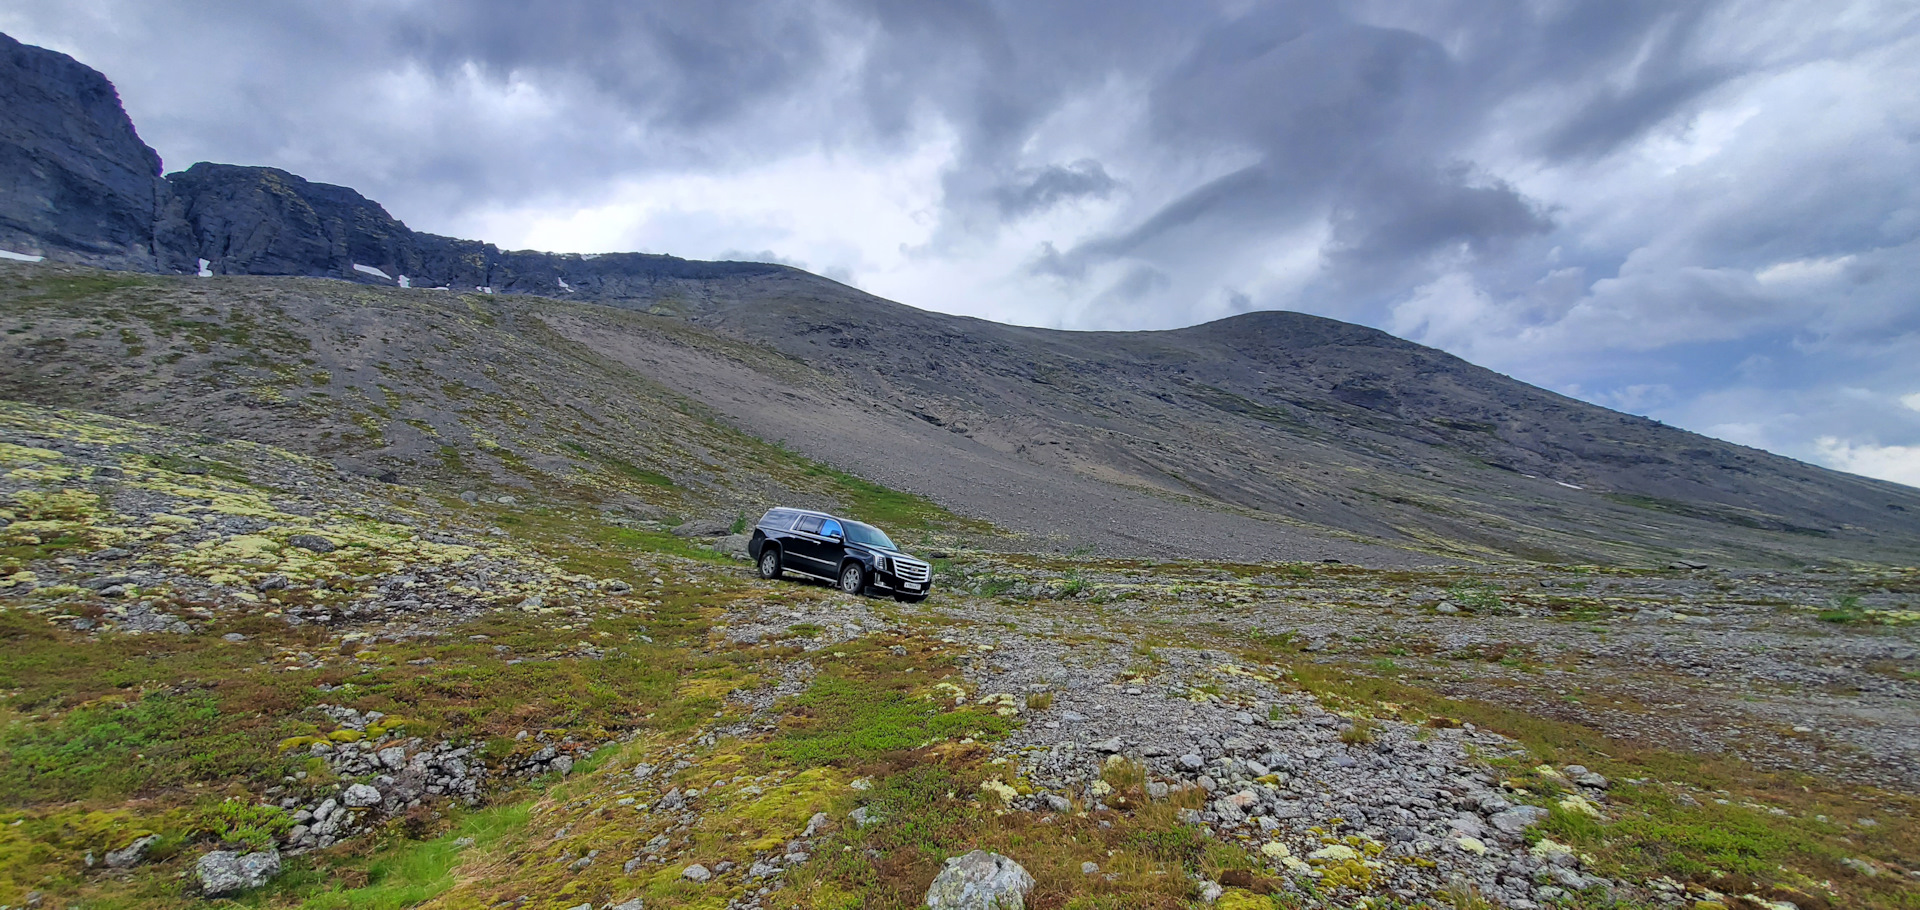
x=832 y=529
x=778 y=519
x=809 y=524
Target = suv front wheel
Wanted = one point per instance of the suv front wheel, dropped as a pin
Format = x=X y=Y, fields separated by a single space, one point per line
x=853 y=578
x=770 y=563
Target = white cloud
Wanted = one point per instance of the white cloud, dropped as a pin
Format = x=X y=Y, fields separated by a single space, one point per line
x=1900 y=464
x=1802 y=271
x=1638 y=398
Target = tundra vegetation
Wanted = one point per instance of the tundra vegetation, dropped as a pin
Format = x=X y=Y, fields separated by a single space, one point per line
x=524 y=630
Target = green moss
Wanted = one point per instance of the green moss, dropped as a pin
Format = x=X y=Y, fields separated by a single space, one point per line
x=38 y=849
x=412 y=873
x=119 y=749
x=845 y=720
x=774 y=817
x=619 y=466
x=245 y=825
x=64 y=288
x=658 y=542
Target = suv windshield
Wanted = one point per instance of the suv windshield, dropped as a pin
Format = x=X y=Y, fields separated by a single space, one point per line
x=868 y=535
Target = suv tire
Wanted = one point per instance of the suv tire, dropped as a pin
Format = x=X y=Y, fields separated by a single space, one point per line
x=853 y=579
x=770 y=563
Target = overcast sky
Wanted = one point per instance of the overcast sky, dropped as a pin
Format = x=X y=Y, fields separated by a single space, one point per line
x=1705 y=212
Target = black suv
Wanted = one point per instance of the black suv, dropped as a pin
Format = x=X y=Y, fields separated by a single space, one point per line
x=857 y=556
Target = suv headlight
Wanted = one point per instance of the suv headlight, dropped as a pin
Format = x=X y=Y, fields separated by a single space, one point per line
x=881 y=562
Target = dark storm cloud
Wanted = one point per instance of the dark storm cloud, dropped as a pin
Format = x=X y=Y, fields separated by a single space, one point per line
x=1039 y=189
x=679 y=65
x=1335 y=108
x=1401 y=219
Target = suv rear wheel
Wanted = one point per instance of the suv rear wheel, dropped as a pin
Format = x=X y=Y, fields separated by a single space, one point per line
x=853 y=578
x=770 y=562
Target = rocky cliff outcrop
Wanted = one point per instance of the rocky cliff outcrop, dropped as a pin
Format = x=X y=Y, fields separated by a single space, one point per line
x=76 y=182
x=265 y=221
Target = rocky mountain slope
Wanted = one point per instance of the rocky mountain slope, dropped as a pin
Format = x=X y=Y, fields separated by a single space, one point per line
x=448 y=393
x=1280 y=417
x=1268 y=435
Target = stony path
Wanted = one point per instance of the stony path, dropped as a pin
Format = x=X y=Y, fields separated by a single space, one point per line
x=1409 y=811
x=1707 y=660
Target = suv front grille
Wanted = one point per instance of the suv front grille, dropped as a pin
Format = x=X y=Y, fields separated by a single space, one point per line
x=909 y=570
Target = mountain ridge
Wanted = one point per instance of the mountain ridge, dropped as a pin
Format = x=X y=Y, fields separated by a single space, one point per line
x=1279 y=417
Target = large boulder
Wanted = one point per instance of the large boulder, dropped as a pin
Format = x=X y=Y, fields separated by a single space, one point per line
x=132 y=854
x=225 y=872
x=980 y=881
x=1515 y=821
x=361 y=796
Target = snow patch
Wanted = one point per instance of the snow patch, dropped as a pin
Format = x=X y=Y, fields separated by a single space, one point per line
x=1570 y=486
x=204 y=271
x=404 y=282
x=484 y=290
x=564 y=285
x=370 y=270
x=23 y=257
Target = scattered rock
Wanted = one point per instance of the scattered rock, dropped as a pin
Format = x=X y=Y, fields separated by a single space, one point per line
x=1861 y=866
x=313 y=542
x=225 y=872
x=1517 y=820
x=696 y=873
x=361 y=796
x=132 y=854
x=980 y=881
x=1585 y=778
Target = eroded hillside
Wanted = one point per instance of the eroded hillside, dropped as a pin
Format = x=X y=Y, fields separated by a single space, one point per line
x=444 y=391
x=1220 y=440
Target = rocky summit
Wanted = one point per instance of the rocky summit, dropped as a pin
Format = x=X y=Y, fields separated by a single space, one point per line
x=323 y=589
